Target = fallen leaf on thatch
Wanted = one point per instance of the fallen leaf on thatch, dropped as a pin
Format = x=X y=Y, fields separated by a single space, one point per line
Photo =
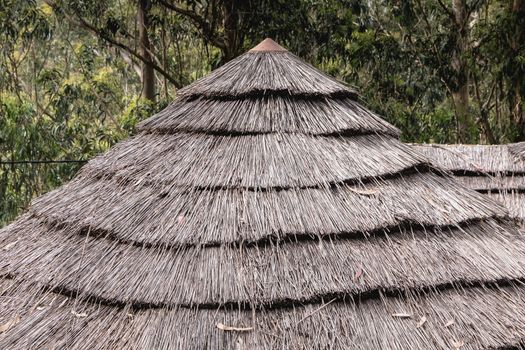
x=402 y=315
x=79 y=315
x=449 y=323
x=223 y=327
x=52 y=301
x=358 y=273
x=479 y=168
x=9 y=246
x=421 y=322
x=458 y=344
x=6 y=326
x=63 y=303
x=364 y=192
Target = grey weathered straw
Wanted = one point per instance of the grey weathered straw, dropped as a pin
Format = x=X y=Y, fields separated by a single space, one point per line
x=518 y=150
x=265 y=208
x=496 y=170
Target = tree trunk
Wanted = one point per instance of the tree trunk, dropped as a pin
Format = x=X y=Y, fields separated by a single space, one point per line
x=460 y=99
x=233 y=37
x=148 y=72
x=518 y=42
x=518 y=112
x=460 y=93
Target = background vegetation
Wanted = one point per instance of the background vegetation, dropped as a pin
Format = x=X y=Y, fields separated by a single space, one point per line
x=77 y=75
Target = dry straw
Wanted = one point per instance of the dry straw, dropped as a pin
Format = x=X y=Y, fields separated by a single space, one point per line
x=265 y=208
x=497 y=170
x=518 y=150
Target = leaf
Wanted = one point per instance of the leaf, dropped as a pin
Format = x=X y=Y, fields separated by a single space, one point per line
x=9 y=246
x=6 y=326
x=402 y=315
x=64 y=302
x=358 y=273
x=479 y=168
x=421 y=322
x=449 y=323
x=458 y=344
x=79 y=315
x=223 y=327
x=364 y=192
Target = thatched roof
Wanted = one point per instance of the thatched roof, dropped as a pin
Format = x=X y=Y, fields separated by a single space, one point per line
x=476 y=159
x=518 y=150
x=265 y=208
x=496 y=170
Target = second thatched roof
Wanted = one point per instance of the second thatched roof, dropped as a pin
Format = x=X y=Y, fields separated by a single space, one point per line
x=266 y=208
x=495 y=170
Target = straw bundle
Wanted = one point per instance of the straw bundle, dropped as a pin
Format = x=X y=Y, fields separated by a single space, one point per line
x=265 y=208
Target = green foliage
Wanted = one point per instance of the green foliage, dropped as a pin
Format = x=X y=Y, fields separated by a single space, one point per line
x=62 y=98
x=314 y=30
x=20 y=129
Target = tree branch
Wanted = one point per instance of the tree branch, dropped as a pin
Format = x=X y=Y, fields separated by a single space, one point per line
x=79 y=21
x=205 y=30
x=447 y=10
x=472 y=8
x=483 y=112
x=429 y=32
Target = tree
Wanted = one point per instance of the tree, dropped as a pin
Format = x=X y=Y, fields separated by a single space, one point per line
x=517 y=46
x=459 y=84
x=146 y=50
x=219 y=22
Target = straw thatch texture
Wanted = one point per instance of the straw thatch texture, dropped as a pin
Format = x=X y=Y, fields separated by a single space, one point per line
x=250 y=274
x=177 y=216
x=513 y=200
x=253 y=161
x=497 y=170
x=493 y=183
x=473 y=318
x=490 y=159
x=263 y=209
x=518 y=150
x=268 y=114
x=266 y=73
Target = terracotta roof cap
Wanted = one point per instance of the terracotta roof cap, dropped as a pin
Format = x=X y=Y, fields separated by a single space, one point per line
x=268 y=45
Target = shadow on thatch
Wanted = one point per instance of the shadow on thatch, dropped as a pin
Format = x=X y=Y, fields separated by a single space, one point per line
x=265 y=208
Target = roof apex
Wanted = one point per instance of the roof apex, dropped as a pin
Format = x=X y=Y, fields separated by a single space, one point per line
x=268 y=45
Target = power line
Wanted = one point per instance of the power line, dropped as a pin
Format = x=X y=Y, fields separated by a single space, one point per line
x=21 y=162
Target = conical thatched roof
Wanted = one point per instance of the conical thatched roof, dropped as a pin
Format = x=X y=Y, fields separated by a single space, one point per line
x=265 y=208
x=495 y=170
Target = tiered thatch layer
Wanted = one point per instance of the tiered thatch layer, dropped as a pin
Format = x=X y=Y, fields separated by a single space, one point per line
x=496 y=170
x=264 y=209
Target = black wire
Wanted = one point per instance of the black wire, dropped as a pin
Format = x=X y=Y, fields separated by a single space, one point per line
x=19 y=162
